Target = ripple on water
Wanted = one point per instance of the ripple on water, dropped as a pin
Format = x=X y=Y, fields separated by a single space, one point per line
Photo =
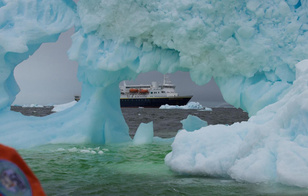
x=65 y=169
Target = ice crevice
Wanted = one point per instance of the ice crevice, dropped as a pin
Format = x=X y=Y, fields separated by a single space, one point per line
x=255 y=51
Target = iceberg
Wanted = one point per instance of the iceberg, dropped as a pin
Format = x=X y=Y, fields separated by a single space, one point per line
x=192 y=123
x=190 y=105
x=24 y=26
x=254 y=50
x=270 y=147
x=144 y=134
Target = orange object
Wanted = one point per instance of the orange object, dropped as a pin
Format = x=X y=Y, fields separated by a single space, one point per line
x=133 y=90
x=143 y=91
x=15 y=175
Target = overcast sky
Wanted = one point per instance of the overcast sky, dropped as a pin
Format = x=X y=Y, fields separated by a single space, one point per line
x=49 y=77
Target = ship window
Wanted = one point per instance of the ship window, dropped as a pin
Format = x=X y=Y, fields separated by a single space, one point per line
x=151 y=92
x=163 y=92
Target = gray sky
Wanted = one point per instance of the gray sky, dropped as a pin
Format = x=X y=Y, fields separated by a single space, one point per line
x=49 y=77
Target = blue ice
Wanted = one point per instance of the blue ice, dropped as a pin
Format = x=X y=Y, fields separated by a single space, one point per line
x=192 y=123
x=254 y=50
x=144 y=134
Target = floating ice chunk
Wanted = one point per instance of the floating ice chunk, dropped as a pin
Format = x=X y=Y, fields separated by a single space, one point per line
x=32 y=106
x=60 y=149
x=62 y=107
x=192 y=123
x=207 y=151
x=144 y=134
x=190 y=105
x=270 y=147
x=85 y=151
x=193 y=105
x=167 y=106
x=73 y=149
x=206 y=109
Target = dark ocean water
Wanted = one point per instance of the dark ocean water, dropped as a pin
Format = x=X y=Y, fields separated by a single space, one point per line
x=127 y=169
x=166 y=122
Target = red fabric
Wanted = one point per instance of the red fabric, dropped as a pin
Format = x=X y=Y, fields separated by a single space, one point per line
x=12 y=155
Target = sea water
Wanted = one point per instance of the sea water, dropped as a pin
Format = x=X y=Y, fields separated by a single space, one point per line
x=128 y=169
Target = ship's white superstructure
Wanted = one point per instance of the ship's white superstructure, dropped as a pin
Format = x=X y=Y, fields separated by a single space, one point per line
x=151 y=95
x=167 y=89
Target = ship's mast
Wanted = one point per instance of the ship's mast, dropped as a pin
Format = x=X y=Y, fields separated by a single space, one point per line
x=166 y=79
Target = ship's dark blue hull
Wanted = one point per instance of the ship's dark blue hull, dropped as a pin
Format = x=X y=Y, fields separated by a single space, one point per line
x=154 y=102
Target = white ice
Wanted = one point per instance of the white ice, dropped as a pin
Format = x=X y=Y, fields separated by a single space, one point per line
x=249 y=47
x=83 y=150
x=271 y=147
x=188 y=106
x=33 y=105
x=62 y=107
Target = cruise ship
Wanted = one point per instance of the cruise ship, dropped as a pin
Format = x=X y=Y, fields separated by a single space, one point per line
x=151 y=95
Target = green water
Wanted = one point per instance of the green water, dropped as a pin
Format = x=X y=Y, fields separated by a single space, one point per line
x=128 y=170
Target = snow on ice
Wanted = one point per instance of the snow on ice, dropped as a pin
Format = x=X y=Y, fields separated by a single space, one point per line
x=249 y=47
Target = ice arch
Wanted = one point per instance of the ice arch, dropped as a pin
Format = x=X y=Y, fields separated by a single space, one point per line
x=249 y=47
x=24 y=26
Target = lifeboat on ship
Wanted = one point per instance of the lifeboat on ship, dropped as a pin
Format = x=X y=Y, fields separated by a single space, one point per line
x=143 y=91
x=133 y=90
